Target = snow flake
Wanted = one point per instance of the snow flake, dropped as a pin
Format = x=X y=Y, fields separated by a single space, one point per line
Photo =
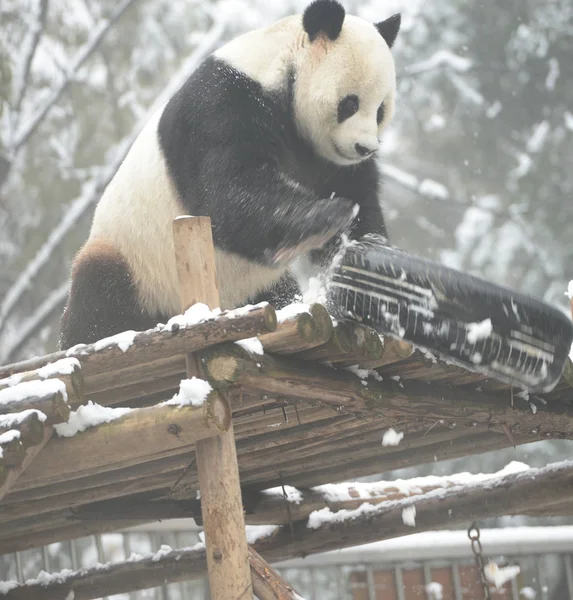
x=409 y=516
x=391 y=437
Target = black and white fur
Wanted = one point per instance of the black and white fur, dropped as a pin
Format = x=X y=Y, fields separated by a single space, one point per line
x=273 y=137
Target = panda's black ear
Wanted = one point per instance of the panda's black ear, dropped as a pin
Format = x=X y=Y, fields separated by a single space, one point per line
x=389 y=28
x=323 y=16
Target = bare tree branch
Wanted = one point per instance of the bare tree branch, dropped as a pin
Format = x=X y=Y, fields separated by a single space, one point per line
x=30 y=46
x=84 y=53
x=53 y=304
x=93 y=190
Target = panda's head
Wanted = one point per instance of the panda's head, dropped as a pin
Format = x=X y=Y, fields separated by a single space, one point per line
x=345 y=82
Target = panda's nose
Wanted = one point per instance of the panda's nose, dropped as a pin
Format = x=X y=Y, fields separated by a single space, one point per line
x=363 y=150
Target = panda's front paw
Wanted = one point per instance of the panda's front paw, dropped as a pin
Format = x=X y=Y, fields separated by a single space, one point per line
x=323 y=220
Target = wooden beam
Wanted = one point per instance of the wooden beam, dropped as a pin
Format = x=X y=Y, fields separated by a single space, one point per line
x=267 y=583
x=513 y=494
x=165 y=430
x=219 y=483
x=154 y=352
x=12 y=475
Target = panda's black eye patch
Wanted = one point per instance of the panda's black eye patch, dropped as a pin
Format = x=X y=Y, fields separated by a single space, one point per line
x=380 y=113
x=347 y=107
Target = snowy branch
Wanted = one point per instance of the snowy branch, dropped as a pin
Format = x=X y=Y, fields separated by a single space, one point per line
x=30 y=47
x=425 y=187
x=441 y=58
x=84 y=53
x=94 y=188
x=30 y=327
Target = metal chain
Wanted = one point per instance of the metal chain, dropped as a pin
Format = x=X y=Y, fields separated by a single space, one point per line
x=477 y=550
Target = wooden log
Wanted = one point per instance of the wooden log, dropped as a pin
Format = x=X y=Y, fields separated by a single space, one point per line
x=10 y=476
x=34 y=529
x=568 y=372
x=367 y=348
x=67 y=370
x=166 y=429
x=323 y=326
x=12 y=450
x=338 y=345
x=395 y=350
x=323 y=320
x=519 y=493
x=29 y=423
x=106 y=367
x=291 y=335
x=267 y=583
x=48 y=397
x=218 y=471
x=285 y=376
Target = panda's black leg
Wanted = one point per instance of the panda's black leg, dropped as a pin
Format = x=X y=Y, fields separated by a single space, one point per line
x=281 y=294
x=102 y=299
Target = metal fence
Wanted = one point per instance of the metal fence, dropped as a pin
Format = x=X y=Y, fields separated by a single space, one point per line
x=405 y=568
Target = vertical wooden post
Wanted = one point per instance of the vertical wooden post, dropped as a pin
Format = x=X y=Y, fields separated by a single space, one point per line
x=221 y=502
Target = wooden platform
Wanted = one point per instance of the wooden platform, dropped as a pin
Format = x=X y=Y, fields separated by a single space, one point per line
x=297 y=422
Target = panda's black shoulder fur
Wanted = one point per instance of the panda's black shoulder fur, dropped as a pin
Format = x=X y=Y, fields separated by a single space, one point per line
x=234 y=154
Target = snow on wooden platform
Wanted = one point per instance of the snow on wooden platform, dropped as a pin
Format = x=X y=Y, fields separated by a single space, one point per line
x=313 y=403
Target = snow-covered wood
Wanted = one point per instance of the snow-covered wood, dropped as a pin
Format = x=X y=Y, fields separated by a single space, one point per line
x=484 y=496
x=113 y=363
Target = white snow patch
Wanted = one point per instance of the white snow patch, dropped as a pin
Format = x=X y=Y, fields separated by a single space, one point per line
x=553 y=74
x=315 y=292
x=64 y=366
x=15 y=419
x=391 y=437
x=122 y=340
x=435 y=122
x=243 y=311
x=164 y=550
x=324 y=516
x=479 y=331
x=192 y=392
x=291 y=311
x=89 y=415
x=292 y=494
x=538 y=138
x=7 y=437
x=435 y=591
x=429 y=187
x=493 y=110
x=499 y=576
x=252 y=345
x=362 y=373
x=409 y=516
x=195 y=314
x=29 y=389
x=257 y=532
x=12 y=380
x=6 y=586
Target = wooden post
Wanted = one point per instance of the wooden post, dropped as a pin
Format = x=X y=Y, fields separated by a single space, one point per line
x=221 y=502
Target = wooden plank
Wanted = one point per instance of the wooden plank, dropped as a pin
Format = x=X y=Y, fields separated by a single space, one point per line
x=219 y=483
x=267 y=583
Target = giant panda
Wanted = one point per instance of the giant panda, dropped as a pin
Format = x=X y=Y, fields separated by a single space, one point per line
x=274 y=137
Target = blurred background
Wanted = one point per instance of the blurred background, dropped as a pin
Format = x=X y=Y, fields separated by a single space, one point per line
x=478 y=162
